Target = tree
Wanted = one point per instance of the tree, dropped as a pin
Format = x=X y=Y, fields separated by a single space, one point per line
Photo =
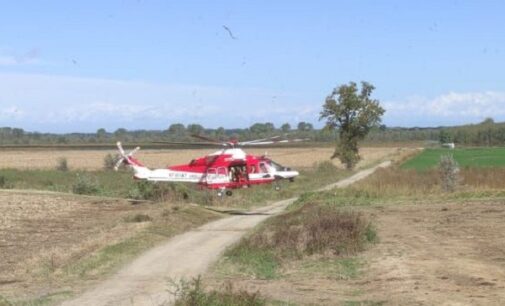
x=286 y=127
x=353 y=112
x=304 y=126
x=444 y=137
x=121 y=133
x=195 y=129
x=177 y=129
x=101 y=133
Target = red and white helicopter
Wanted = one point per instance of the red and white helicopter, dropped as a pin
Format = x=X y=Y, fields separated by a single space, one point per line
x=228 y=168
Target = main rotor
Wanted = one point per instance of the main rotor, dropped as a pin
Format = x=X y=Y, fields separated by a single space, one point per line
x=234 y=143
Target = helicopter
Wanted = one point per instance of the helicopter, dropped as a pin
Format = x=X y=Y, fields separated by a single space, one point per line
x=224 y=170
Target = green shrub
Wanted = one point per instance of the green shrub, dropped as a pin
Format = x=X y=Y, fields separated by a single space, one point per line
x=449 y=172
x=313 y=229
x=138 y=218
x=145 y=190
x=193 y=294
x=85 y=184
x=109 y=161
x=4 y=183
x=62 y=164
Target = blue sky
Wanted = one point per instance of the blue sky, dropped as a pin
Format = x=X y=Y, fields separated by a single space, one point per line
x=81 y=65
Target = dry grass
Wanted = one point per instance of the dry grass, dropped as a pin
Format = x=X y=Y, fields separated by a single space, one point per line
x=298 y=158
x=313 y=229
x=403 y=182
x=63 y=239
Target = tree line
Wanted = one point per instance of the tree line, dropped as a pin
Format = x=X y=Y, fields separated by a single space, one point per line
x=486 y=133
x=174 y=132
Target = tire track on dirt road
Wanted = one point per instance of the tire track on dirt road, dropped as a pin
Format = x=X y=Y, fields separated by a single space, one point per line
x=146 y=280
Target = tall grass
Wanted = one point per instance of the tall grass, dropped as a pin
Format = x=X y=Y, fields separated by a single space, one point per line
x=394 y=182
x=308 y=230
x=121 y=184
x=192 y=293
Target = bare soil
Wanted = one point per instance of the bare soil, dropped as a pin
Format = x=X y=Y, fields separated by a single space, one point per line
x=44 y=233
x=428 y=254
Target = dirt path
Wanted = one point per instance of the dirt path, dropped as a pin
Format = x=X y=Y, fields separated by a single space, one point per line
x=146 y=281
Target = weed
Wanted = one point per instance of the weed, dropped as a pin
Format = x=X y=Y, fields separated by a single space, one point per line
x=109 y=161
x=138 y=218
x=311 y=229
x=4 y=183
x=261 y=263
x=4 y=301
x=192 y=293
x=364 y=303
x=161 y=192
x=85 y=184
x=449 y=170
x=62 y=164
x=333 y=268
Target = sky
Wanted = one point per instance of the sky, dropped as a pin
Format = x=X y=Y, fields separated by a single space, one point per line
x=76 y=66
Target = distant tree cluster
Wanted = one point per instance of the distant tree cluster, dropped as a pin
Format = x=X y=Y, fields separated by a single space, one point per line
x=174 y=132
x=486 y=133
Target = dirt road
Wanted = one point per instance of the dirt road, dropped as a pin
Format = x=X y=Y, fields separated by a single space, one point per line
x=146 y=281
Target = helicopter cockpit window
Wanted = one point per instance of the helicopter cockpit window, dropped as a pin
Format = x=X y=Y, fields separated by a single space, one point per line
x=263 y=168
x=277 y=166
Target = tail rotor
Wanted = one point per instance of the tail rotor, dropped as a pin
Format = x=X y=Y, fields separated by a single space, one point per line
x=124 y=158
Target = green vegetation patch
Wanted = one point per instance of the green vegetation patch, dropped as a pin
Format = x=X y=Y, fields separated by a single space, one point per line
x=466 y=157
x=305 y=231
x=192 y=293
x=332 y=268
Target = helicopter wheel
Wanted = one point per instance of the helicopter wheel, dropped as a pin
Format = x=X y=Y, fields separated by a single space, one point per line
x=229 y=193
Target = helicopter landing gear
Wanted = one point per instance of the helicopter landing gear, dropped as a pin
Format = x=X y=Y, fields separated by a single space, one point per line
x=223 y=191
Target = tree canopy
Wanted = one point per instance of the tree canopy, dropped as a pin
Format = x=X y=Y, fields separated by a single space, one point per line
x=354 y=113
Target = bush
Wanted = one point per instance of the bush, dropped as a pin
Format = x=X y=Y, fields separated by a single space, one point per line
x=84 y=184
x=192 y=294
x=449 y=172
x=62 y=164
x=145 y=190
x=138 y=218
x=4 y=183
x=110 y=160
x=312 y=230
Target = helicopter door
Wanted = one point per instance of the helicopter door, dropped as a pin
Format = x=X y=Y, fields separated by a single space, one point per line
x=217 y=176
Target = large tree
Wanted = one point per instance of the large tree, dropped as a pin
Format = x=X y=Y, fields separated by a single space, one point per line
x=353 y=112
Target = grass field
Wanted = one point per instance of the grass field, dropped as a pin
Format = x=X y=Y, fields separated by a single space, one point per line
x=466 y=157
x=91 y=160
x=51 y=242
x=431 y=247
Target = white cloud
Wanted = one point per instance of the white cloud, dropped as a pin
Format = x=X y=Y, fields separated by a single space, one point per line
x=450 y=108
x=62 y=103
x=11 y=112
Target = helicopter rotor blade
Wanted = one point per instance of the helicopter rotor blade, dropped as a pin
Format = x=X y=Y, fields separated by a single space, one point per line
x=204 y=144
x=260 y=143
x=206 y=138
x=119 y=163
x=259 y=140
